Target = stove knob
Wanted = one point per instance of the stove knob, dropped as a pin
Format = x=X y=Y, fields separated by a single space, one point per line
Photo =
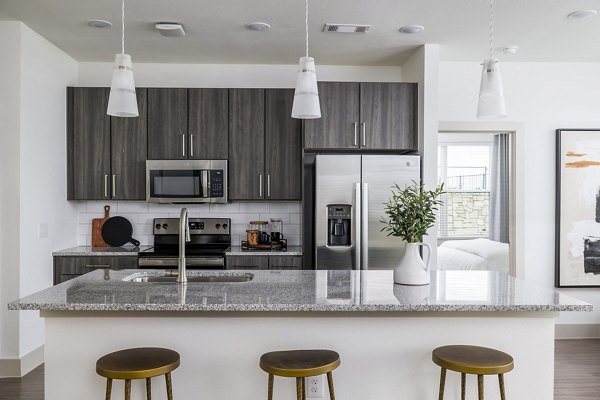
x=218 y=226
x=224 y=226
x=165 y=226
x=157 y=226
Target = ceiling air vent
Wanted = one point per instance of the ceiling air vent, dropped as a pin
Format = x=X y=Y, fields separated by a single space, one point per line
x=346 y=28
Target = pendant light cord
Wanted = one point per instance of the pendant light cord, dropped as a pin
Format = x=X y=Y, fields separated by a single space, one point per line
x=491 y=28
x=306 y=26
x=122 y=26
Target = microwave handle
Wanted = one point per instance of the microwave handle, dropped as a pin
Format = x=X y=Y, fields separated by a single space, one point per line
x=204 y=183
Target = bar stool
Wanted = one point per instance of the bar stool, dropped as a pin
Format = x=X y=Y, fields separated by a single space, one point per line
x=138 y=363
x=300 y=364
x=472 y=360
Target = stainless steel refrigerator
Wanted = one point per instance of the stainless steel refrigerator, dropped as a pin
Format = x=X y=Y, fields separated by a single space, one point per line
x=347 y=205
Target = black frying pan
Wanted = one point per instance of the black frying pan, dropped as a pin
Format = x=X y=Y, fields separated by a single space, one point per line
x=117 y=231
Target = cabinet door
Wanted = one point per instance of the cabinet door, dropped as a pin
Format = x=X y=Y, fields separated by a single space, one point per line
x=246 y=144
x=338 y=126
x=167 y=124
x=66 y=268
x=283 y=147
x=285 y=262
x=128 y=138
x=247 y=262
x=388 y=115
x=89 y=144
x=208 y=124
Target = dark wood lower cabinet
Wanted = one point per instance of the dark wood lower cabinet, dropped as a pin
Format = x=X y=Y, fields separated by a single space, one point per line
x=68 y=267
x=263 y=262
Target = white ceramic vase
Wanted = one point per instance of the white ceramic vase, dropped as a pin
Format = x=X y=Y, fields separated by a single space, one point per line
x=411 y=269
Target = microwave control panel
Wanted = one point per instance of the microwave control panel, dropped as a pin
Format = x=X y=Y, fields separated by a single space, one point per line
x=216 y=183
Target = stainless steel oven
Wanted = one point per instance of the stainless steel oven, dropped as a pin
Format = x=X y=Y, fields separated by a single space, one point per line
x=186 y=181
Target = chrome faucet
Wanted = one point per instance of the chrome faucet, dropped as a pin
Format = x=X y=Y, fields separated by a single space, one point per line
x=184 y=236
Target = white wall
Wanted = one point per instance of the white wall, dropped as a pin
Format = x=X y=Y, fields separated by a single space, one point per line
x=45 y=73
x=34 y=74
x=230 y=75
x=545 y=97
x=9 y=185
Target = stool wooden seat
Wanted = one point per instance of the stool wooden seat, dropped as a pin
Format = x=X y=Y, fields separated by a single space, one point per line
x=300 y=364
x=138 y=363
x=475 y=360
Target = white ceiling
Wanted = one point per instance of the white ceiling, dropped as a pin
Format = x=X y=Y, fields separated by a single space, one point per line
x=216 y=34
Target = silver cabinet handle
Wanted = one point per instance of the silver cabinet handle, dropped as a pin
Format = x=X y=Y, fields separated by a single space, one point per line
x=355 y=133
x=260 y=185
x=96 y=266
x=269 y=185
x=183 y=144
x=105 y=185
x=191 y=145
x=364 y=133
x=114 y=186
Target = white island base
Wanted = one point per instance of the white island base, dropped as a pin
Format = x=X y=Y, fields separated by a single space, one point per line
x=385 y=356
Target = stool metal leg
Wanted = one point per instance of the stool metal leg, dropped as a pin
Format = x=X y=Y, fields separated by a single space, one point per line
x=148 y=389
x=298 y=388
x=463 y=386
x=169 y=387
x=480 y=386
x=501 y=382
x=442 y=383
x=303 y=388
x=108 y=388
x=127 y=389
x=330 y=384
x=270 y=388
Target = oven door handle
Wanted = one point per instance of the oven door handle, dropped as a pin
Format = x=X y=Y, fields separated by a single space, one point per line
x=218 y=262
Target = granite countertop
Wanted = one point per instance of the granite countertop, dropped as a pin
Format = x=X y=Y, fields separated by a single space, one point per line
x=307 y=290
x=291 y=251
x=83 y=251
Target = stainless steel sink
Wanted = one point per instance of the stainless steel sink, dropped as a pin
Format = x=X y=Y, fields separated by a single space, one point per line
x=171 y=277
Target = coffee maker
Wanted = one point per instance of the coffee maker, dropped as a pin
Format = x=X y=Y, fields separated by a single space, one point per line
x=339 y=225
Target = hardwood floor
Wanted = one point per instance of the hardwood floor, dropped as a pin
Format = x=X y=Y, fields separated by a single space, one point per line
x=576 y=374
x=29 y=387
x=577 y=369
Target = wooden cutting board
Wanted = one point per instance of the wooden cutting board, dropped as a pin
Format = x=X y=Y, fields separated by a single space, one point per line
x=97 y=223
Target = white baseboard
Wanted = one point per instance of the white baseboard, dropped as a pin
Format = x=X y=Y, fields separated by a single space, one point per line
x=577 y=331
x=18 y=367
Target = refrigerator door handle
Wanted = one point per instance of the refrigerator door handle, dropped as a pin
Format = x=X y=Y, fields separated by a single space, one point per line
x=365 y=226
x=357 y=226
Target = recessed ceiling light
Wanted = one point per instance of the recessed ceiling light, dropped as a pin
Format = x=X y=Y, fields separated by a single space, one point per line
x=412 y=29
x=510 y=49
x=258 y=26
x=581 y=14
x=170 y=29
x=99 y=23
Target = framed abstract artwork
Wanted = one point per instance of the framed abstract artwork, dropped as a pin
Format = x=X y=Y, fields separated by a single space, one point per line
x=577 y=208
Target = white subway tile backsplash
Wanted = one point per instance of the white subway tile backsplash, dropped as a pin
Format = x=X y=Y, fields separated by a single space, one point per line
x=141 y=215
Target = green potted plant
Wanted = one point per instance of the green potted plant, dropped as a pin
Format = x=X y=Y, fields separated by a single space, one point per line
x=410 y=212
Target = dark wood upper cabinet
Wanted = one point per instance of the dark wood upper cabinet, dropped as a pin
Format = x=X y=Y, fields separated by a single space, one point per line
x=246 y=144
x=128 y=153
x=388 y=116
x=167 y=124
x=338 y=126
x=283 y=147
x=208 y=124
x=89 y=144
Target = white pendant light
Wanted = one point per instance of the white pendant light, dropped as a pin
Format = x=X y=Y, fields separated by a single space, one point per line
x=122 y=101
x=491 y=103
x=306 y=98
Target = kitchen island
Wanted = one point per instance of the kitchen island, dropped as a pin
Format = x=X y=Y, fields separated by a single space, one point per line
x=222 y=324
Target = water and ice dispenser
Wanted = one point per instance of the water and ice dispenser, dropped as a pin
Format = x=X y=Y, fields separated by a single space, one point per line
x=339 y=225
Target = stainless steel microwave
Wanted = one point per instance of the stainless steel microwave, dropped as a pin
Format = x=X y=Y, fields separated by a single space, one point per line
x=186 y=181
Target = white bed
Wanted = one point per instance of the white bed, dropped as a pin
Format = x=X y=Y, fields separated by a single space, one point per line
x=473 y=254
